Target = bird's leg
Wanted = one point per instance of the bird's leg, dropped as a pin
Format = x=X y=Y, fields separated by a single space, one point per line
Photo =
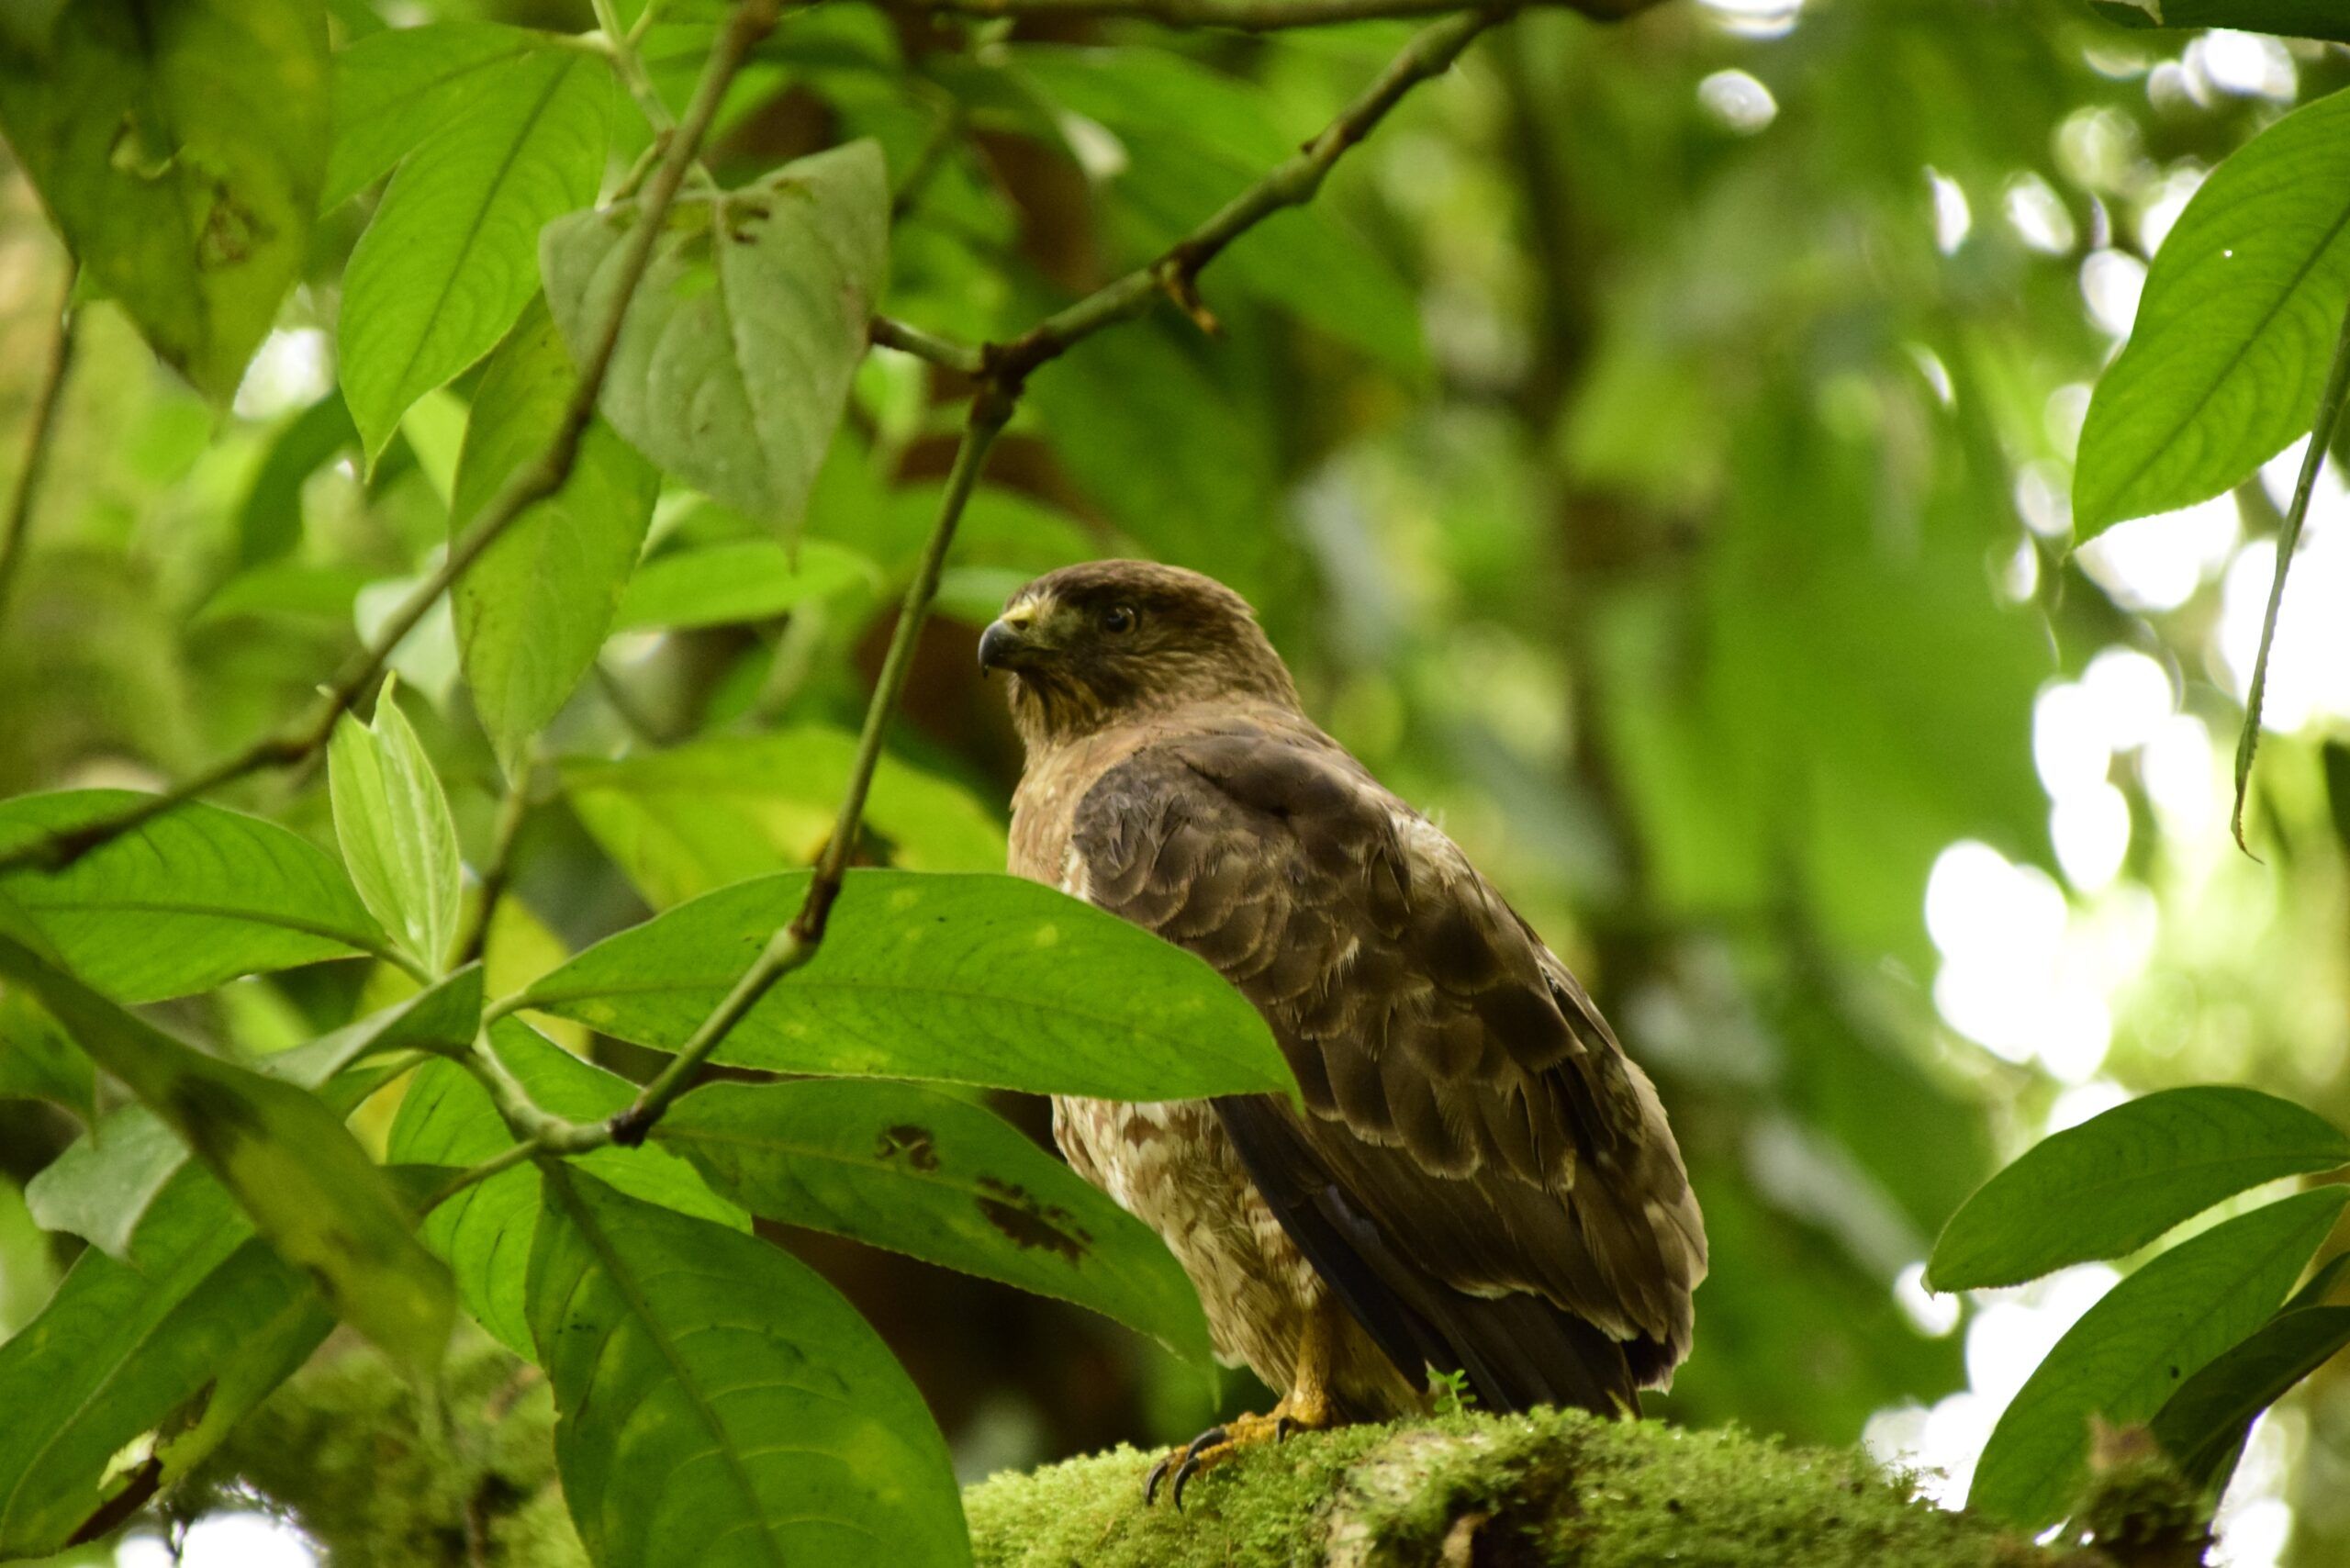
x=1307 y=1407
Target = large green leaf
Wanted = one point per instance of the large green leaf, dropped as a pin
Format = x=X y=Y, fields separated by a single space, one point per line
x=395 y=89
x=982 y=979
x=2234 y=332
x=450 y=260
x=717 y=1403
x=2140 y=1342
x=178 y=904
x=180 y=147
x=2203 y=1425
x=534 y=608
x=135 y=1371
x=734 y=360
x=939 y=1178
x=740 y=579
x=2293 y=18
x=696 y=817
x=100 y=1187
x=311 y=1189
x=446 y=1118
x=2118 y=1180
x=392 y=819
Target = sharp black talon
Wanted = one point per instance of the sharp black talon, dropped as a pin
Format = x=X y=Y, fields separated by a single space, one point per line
x=1189 y=1464
x=1150 y=1483
x=1283 y=1428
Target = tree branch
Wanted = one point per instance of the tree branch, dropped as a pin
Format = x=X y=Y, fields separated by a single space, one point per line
x=1249 y=15
x=1290 y=184
x=752 y=20
x=45 y=401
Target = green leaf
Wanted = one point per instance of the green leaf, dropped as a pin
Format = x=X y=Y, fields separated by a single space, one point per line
x=100 y=1187
x=2118 y=1180
x=134 y=1371
x=734 y=361
x=446 y=1118
x=2234 y=332
x=394 y=89
x=743 y=579
x=397 y=837
x=37 y=1061
x=269 y=520
x=181 y=903
x=2140 y=1341
x=2292 y=19
x=985 y=979
x=180 y=149
x=712 y=1393
x=2202 y=1426
x=310 y=1188
x=942 y=1179
x=450 y=259
x=532 y=612
x=721 y=809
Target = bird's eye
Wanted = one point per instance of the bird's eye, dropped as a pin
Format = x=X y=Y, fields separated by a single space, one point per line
x=1118 y=619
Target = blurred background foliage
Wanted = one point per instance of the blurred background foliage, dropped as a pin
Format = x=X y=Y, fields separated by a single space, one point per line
x=1650 y=452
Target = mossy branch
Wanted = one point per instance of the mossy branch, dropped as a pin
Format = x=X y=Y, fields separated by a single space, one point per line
x=348 y=1452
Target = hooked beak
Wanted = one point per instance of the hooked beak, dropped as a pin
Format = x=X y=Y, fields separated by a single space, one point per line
x=1003 y=644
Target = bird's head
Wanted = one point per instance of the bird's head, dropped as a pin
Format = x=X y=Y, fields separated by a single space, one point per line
x=1093 y=646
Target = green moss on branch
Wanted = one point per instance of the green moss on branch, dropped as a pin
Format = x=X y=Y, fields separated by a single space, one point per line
x=380 y=1476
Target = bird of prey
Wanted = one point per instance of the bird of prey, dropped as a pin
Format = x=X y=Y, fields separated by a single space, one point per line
x=1481 y=1181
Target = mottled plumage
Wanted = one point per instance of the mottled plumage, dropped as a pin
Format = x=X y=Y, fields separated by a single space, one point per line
x=1481 y=1180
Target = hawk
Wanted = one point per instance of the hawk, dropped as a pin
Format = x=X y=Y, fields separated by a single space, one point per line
x=1481 y=1181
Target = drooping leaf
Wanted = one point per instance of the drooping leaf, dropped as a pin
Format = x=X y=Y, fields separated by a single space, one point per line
x=2113 y=1183
x=449 y=261
x=744 y=579
x=2140 y=1341
x=194 y=897
x=534 y=608
x=395 y=90
x=100 y=1187
x=135 y=1371
x=392 y=819
x=723 y=809
x=734 y=360
x=181 y=150
x=2203 y=1425
x=446 y=1118
x=2292 y=19
x=941 y=1179
x=2234 y=332
x=985 y=979
x=716 y=1400
x=310 y=1187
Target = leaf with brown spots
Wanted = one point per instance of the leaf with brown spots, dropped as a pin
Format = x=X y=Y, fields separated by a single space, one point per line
x=940 y=1178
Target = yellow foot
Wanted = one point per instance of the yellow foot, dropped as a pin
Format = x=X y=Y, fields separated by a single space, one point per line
x=1214 y=1446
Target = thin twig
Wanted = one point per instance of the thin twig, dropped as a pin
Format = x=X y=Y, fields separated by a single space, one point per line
x=526 y=488
x=2288 y=539
x=797 y=942
x=512 y=807
x=1247 y=16
x=53 y=387
x=942 y=351
x=622 y=46
x=1290 y=184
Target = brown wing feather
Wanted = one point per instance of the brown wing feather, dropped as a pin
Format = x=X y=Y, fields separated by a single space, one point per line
x=1464 y=1097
